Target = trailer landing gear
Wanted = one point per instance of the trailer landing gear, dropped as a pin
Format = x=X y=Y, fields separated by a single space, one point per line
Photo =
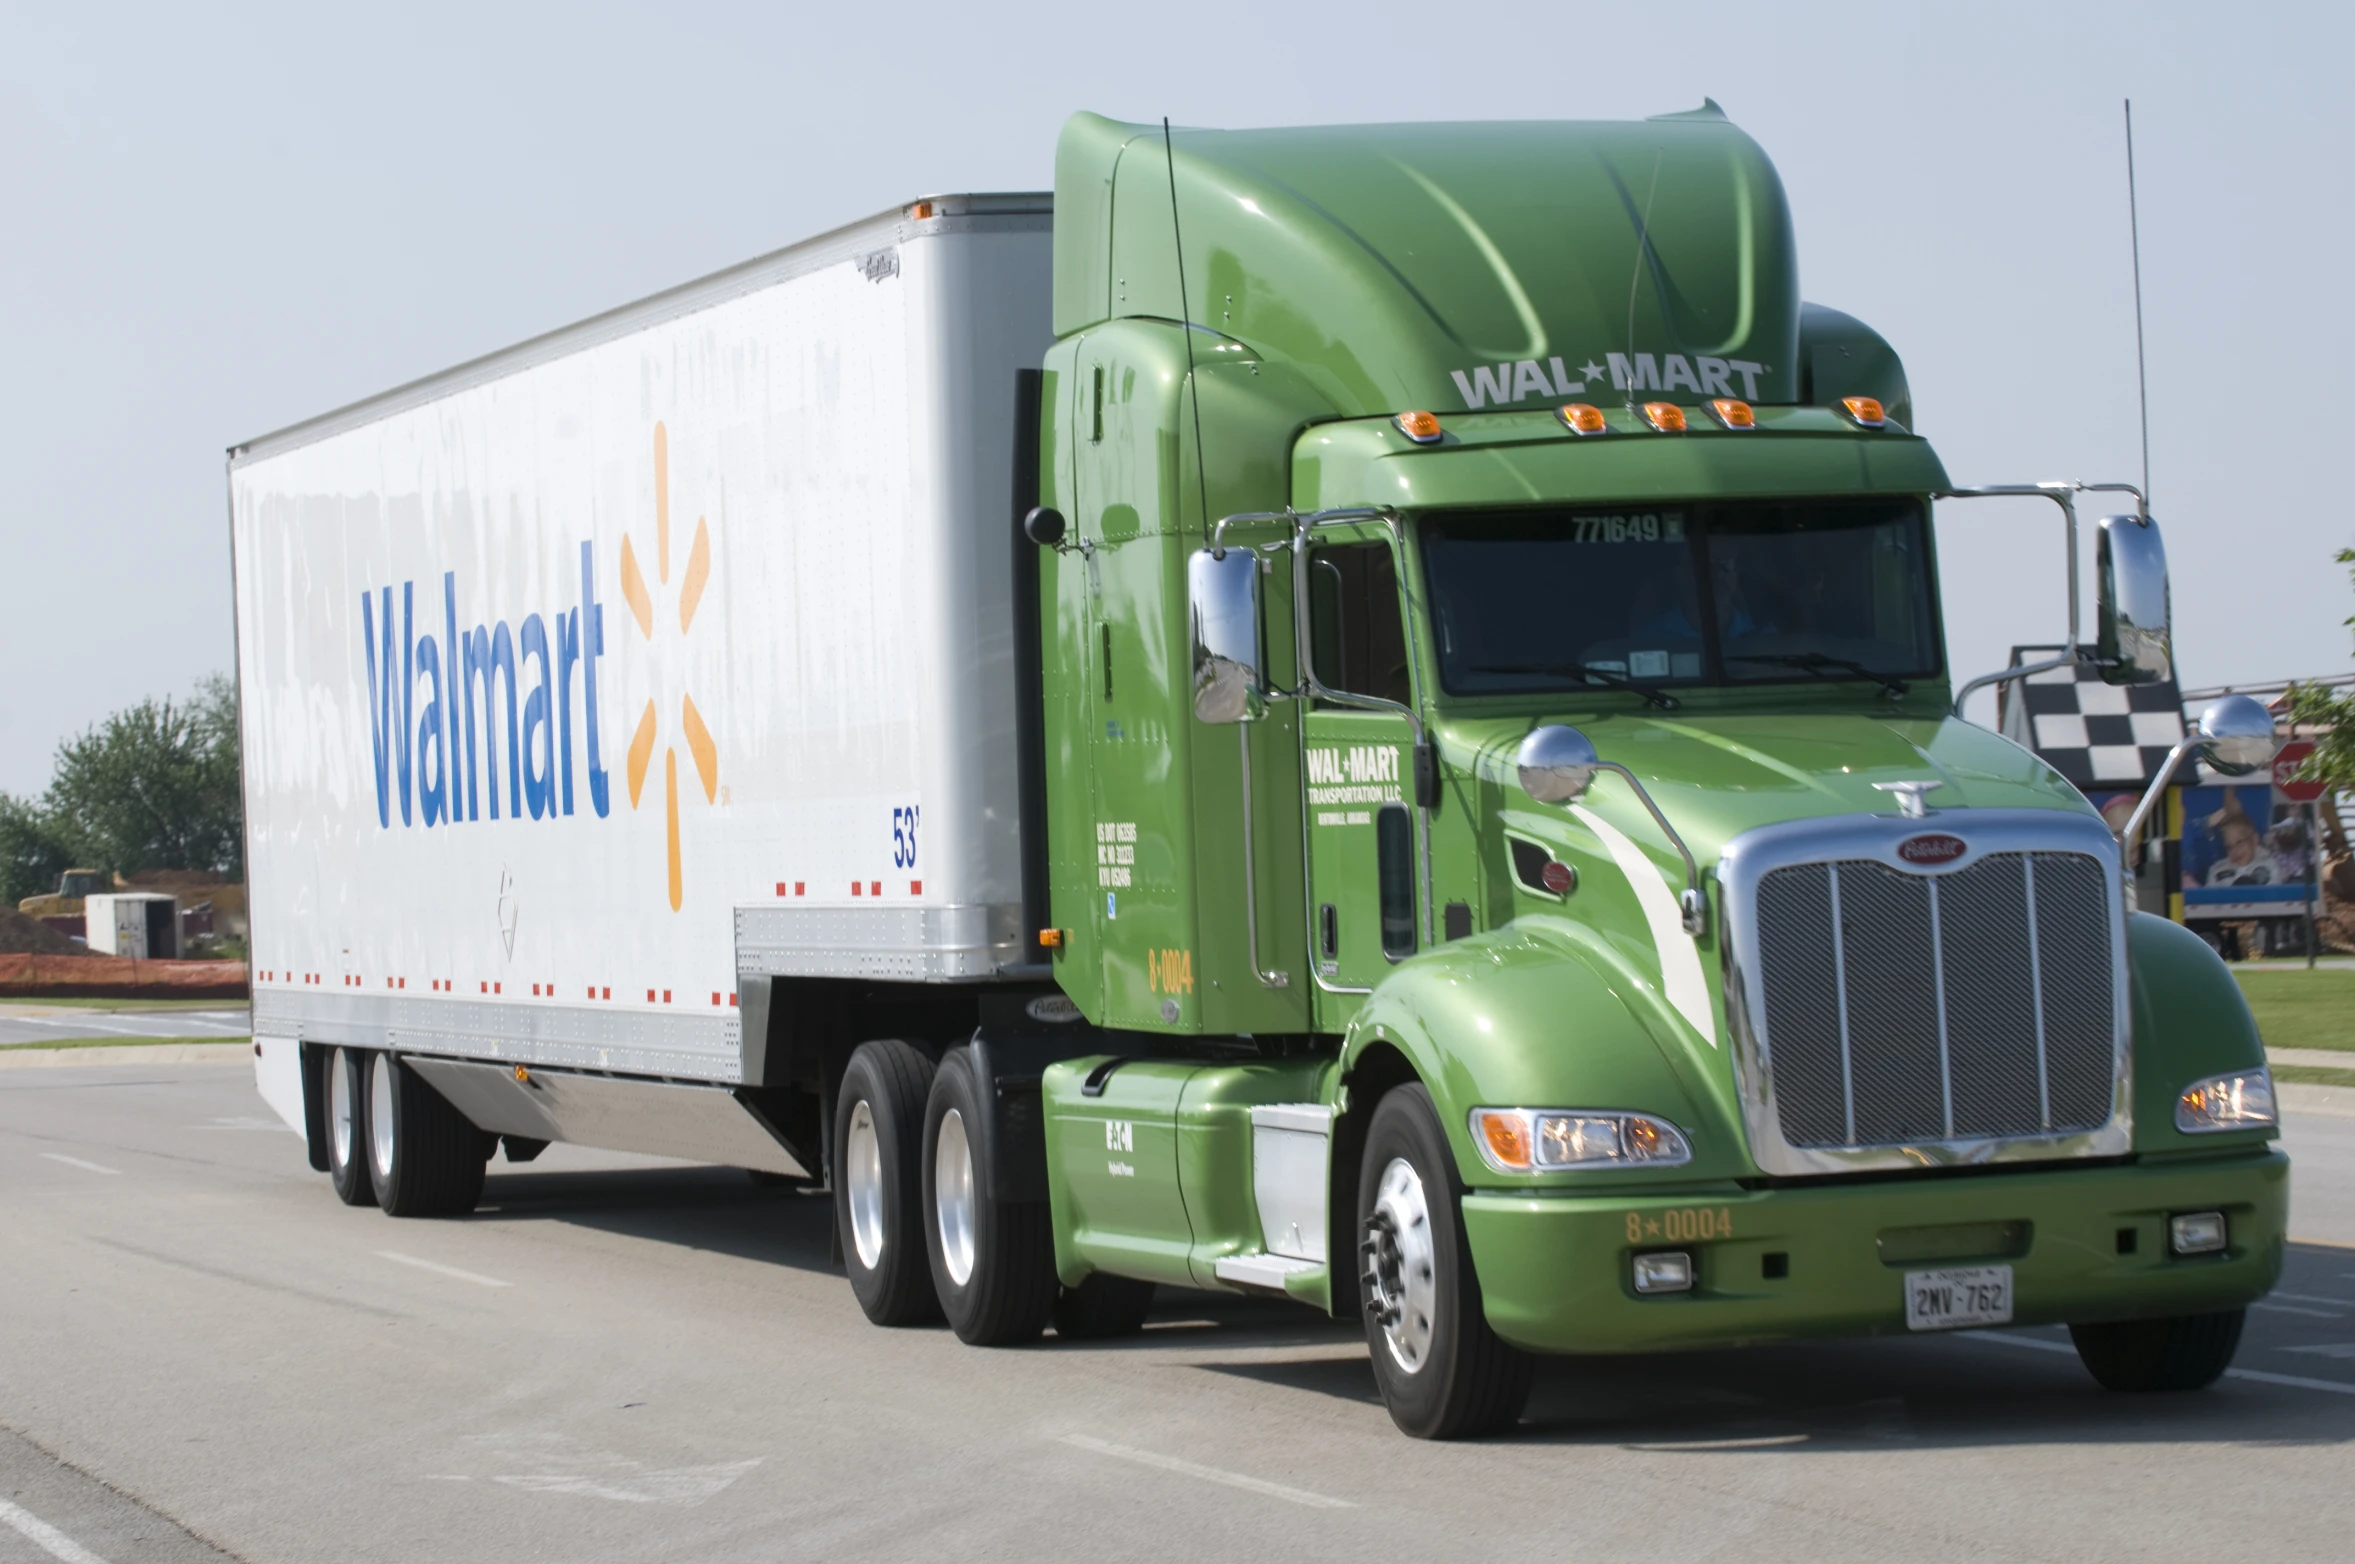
x=1442 y=1372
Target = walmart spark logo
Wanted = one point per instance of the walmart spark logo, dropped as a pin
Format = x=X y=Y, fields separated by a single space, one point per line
x=691 y=725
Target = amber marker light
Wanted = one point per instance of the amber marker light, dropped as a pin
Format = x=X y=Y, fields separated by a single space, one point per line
x=1582 y=418
x=1506 y=1138
x=920 y=211
x=1733 y=412
x=1420 y=427
x=1864 y=411
x=1052 y=939
x=1666 y=417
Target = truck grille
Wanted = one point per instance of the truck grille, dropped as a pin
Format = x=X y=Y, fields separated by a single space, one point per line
x=1974 y=1004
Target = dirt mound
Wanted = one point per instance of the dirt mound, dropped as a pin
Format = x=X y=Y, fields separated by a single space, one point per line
x=23 y=936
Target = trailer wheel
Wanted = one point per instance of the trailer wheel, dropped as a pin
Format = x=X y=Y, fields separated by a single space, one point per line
x=993 y=1262
x=1103 y=1306
x=347 y=1127
x=2185 y=1353
x=879 y=1182
x=424 y=1156
x=1442 y=1372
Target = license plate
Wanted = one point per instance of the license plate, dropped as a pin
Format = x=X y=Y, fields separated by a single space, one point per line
x=1958 y=1299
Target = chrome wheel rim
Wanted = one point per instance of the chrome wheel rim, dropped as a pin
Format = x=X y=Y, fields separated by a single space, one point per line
x=380 y=1113
x=862 y=1184
x=1402 y=1274
x=339 y=1108
x=952 y=1196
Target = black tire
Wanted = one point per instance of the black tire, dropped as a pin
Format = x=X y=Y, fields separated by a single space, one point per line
x=2188 y=1352
x=1463 y=1380
x=1006 y=1249
x=429 y=1160
x=1103 y=1306
x=883 y=1249
x=346 y=1076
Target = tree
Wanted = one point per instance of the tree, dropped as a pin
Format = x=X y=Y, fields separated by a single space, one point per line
x=155 y=786
x=2332 y=716
x=35 y=848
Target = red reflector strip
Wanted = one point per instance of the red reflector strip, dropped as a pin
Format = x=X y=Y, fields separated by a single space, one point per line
x=800 y=889
x=608 y=994
x=715 y=996
x=915 y=887
x=856 y=889
x=876 y=889
x=666 y=996
x=780 y=887
x=650 y=996
x=731 y=1001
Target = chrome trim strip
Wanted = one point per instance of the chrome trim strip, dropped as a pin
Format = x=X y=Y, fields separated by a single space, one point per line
x=2036 y=997
x=1840 y=999
x=1750 y=857
x=1938 y=995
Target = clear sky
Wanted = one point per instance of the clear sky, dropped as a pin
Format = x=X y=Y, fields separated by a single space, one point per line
x=222 y=219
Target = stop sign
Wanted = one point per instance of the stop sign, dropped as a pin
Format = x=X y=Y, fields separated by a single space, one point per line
x=2285 y=773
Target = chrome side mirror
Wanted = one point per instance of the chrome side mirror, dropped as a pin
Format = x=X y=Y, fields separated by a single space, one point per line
x=1557 y=764
x=2236 y=736
x=2134 y=633
x=1222 y=591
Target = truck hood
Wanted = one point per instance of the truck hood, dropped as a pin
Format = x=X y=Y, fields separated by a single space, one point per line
x=1716 y=775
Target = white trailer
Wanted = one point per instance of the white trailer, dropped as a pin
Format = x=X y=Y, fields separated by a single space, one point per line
x=588 y=687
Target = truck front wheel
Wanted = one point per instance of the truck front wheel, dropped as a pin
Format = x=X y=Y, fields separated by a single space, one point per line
x=993 y=1261
x=879 y=1182
x=1443 y=1373
x=347 y=1127
x=2185 y=1353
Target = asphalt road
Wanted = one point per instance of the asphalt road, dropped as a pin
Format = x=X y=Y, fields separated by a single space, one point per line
x=57 y=1023
x=622 y=1359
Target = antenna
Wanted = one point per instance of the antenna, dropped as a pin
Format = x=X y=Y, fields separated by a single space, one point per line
x=1186 y=325
x=2142 y=378
x=1643 y=245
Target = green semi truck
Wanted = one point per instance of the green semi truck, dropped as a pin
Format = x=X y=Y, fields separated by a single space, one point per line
x=1463 y=821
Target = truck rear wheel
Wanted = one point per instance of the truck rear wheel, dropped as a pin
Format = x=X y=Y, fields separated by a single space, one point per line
x=2185 y=1353
x=993 y=1262
x=424 y=1157
x=879 y=1182
x=1443 y=1373
x=346 y=1087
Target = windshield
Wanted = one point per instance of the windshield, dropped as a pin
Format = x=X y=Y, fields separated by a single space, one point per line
x=1746 y=593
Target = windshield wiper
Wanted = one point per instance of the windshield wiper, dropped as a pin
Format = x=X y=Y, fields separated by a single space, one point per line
x=1607 y=676
x=1820 y=665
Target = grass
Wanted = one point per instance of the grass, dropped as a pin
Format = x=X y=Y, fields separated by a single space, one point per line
x=2300 y=1009
x=114 y=1042
x=125 y=1004
x=2313 y=1074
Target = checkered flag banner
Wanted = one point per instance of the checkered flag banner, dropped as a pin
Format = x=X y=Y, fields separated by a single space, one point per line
x=2097 y=735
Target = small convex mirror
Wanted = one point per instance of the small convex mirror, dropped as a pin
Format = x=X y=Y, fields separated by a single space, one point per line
x=2236 y=736
x=2135 y=636
x=1222 y=591
x=1557 y=764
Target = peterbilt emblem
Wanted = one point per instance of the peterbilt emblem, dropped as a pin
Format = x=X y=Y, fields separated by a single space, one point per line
x=1935 y=847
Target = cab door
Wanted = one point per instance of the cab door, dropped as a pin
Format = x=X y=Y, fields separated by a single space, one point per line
x=1358 y=768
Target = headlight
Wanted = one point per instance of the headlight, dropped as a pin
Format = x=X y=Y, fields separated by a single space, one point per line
x=1541 y=1140
x=2240 y=1101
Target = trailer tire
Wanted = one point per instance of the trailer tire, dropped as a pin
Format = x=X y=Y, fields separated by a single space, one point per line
x=993 y=1261
x=1443 y=1373
x=1102 y=1307
x=879 y=1182
x=2188 y=1352
x=425 y=1158
x=345 y=1109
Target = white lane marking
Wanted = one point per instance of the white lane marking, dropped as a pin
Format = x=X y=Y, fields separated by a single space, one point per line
x=1209 y=1474
x=2337 y=1387
x=440 y=1269
x=46 y=1537
x=2307 y=1297
x=2291 y=1308
x=2333 y=1349
x=77 y=1162
x=248 y=1123
x=1680 y=957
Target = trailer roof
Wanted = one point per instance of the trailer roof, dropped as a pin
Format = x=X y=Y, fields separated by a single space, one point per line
x=890 y=227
